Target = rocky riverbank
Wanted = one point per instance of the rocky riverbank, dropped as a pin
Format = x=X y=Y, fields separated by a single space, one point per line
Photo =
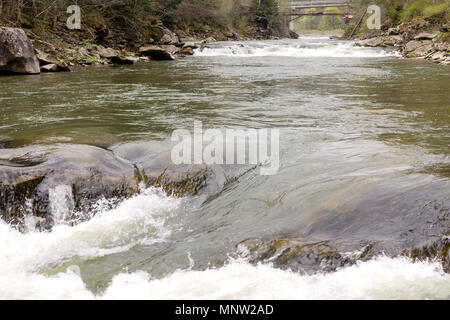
x=62 y=49
x=418 y=39
x=65 y=53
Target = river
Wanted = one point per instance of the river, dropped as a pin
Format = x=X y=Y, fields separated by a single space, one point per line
x=364 y=167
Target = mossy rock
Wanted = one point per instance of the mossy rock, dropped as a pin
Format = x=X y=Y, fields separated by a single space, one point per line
x=92 y=174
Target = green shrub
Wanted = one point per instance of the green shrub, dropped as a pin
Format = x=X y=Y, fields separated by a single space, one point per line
x=424 y=8
x=436 y=9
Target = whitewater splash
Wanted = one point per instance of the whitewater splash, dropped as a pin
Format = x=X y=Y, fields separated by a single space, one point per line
x=312 y=48
x=138 y=220
x=142 y=220
x=381 y=278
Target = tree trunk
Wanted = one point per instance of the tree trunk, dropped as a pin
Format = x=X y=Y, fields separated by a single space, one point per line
x=34 y=8
x=19 y=11
x=1 y=7
x=55 y=15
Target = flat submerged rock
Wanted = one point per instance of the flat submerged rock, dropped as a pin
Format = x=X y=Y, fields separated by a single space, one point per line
x=28 y=174
x=407 y=217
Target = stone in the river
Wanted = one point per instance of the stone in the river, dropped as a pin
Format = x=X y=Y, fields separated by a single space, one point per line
x=123 y=60
x=192 y=45
x=107 y=52
x=306 y=256
x=186 y=51
x=372 y=42
x=28 y=174
x=46 y=59
x=49 y=68
x=404 y=216
x=421 y=51
x=293 y=35
x=156 y=53
x=16 y=52
x=92 y=173
x=412 y=45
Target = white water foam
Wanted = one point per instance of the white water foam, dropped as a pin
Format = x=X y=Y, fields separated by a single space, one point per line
x=140 y=219
x=62 y=203
x=337 y=50
x=381 y=278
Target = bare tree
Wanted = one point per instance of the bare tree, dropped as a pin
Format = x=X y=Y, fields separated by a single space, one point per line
x=34 y=8
x=19 y=11
x=55 y=15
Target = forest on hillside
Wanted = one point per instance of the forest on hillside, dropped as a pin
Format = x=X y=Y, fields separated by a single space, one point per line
x=205 y=16
x=41 y=15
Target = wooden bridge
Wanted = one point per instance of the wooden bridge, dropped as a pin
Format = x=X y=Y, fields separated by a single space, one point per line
x=295 y=7
x=298 y=5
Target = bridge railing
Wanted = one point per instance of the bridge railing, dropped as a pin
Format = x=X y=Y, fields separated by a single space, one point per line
x=300 y=4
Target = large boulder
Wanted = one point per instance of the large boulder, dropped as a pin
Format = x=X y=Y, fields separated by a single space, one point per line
x=156 y=53
x=85 y=175
x=16 y=52
x=168 y=37
x=124 y=59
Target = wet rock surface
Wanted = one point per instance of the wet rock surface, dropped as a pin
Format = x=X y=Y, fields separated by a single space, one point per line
x=399 y=223
x=29 y=174
x=408 y=215
x=157 y=52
